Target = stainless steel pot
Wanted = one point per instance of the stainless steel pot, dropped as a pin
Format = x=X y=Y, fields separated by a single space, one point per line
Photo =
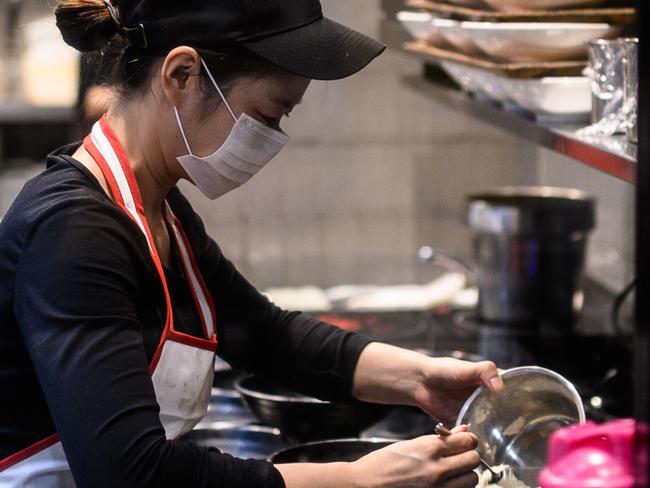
x=529 y=250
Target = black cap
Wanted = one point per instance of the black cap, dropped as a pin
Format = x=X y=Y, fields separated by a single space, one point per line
x=292 y=34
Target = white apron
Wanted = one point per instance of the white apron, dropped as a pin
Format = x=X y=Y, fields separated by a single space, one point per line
x=182 y=366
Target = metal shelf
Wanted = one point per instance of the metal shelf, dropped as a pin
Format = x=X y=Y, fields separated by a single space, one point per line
x=613 y=155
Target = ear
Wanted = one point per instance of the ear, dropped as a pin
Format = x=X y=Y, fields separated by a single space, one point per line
x=180 y=73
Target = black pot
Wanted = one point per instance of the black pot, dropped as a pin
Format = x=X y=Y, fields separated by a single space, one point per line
x=339 y=450
x=305 y=418
x=246 y=442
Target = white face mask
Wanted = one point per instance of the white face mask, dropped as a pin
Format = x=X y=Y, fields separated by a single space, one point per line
x=247 y=149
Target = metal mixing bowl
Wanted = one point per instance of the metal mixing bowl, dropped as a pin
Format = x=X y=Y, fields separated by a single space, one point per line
x=303 y=418
x=247 y=442
x=513 y=428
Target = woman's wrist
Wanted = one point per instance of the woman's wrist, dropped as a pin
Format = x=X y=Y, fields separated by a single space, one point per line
x=326 y=475
x=389 y=374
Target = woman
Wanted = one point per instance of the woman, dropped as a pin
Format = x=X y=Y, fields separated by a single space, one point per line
x=112 y=296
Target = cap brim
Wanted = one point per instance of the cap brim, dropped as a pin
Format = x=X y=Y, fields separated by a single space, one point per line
x=322 y=50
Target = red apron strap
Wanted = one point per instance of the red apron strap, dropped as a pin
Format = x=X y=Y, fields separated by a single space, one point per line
x=28 y=452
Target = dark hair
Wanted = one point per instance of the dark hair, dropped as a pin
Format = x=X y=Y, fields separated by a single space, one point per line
x=87 y=25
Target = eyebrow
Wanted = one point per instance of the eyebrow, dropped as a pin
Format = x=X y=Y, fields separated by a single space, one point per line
x=285 y=102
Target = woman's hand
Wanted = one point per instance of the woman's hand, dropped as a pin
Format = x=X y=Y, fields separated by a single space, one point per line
x=446 y=383
x=425 y=462
x=440 y=386
x=428 y=461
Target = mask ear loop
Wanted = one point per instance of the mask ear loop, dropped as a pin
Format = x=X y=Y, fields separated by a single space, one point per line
x=218 y=89
x=180 y=126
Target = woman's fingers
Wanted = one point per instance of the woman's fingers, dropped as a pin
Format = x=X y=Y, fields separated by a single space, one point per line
x=485 y=373
x=460 y=428
x=459 y=464
x=458 y=443
x=489 y=374
x=466 y=480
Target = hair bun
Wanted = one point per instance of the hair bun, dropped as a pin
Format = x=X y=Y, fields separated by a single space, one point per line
x=86 y=25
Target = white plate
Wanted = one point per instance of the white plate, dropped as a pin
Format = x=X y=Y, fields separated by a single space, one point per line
x=478 y=81
x=515 y=5
x=531 y=42
x=455 y=35
x=554 y=95
x=420 y=26
x=550 y=96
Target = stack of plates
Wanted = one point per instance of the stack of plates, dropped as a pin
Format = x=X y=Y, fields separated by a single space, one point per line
x=566 y=97
x=421 y=27
x=518 y=5
x=509 y=42
x=516 y=42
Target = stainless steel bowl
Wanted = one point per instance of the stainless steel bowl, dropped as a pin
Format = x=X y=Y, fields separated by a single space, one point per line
x=513 y=428
x=247 y=442
x=338 y=450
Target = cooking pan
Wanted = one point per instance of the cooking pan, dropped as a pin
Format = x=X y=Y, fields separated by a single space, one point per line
x=338 y=450
x=247 y=442
x=305 y=418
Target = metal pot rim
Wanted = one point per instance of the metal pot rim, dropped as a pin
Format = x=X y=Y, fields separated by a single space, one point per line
x=525 y=370
x=369 y=440
x=257 y=429
x=297 y=398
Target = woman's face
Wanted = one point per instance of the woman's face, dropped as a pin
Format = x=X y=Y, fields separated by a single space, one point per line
x=267 y=99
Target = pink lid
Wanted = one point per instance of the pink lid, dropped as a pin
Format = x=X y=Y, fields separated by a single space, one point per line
x=592 y=456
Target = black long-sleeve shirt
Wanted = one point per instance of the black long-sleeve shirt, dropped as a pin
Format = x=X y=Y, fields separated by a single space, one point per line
x=81 y=314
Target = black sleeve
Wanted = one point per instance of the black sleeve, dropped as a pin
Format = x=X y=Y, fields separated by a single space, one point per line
x=75 y=295
x=292 y=348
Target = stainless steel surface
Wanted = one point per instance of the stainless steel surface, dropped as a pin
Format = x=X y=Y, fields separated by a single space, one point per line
x=305 y=418
x=529 y=251
x=339 y=450
x=513 y=428
x=612 y=155
x=247 y=442
x=443 y=259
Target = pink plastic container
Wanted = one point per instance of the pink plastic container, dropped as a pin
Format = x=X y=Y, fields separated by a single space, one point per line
x=594 y=456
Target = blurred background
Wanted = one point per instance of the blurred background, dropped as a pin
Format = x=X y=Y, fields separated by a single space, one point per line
x=374 y=168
